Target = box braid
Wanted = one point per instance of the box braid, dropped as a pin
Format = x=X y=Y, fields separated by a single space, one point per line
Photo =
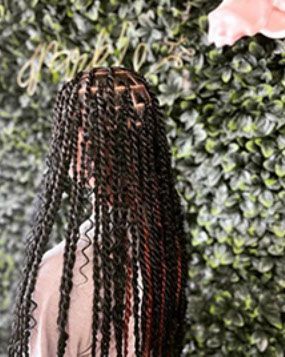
x=95 y=138
x=135 y=196
x=29 y=246
x=163 y=171
x=178 y=217
x=128 y=157
x=146 y=244
x=115 y=150
x=154 y=217
x=125 y=124
x=41 y=229
x=72 y=229
x=57 y=190
x=103 y=121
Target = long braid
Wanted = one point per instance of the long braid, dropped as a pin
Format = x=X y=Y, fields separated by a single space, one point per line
x=159 y=253
x=119 y=253
x=42 y=229
x=121 y=238
x=170 y=251
x=71 y=233
x=133 y=197
x=179 y=237
x=90 y=102
x=144 y=241
x=153 y=113
x=168 y=242
x=38 y=254
x=107 y=241
x=154 y=219
x=134 y=139
x=17 y=327
x=122 y=221
x=118 y=242
x=133 y=120
x=143 y=261
x=53 y=155
x=96 y=249
x=127 y=192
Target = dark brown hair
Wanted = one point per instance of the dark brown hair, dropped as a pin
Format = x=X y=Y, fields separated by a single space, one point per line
x=124 y=125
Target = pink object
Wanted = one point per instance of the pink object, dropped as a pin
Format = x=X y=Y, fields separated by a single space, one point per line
x=44 y=336
x=233 y=19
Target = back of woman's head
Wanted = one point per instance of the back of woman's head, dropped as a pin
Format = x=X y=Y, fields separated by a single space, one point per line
x=109 y=143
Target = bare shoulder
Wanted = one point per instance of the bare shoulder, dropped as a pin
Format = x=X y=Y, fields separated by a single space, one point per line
x=51 y=266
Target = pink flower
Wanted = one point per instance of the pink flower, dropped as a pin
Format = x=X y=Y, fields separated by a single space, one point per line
x=280 y=4
x=233 y=19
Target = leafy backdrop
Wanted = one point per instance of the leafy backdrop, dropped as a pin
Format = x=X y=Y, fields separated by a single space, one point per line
x=225 y=120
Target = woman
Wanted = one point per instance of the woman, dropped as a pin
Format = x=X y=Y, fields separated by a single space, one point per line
x=115 y=286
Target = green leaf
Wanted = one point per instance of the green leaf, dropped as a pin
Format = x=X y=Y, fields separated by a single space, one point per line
x=250 y=146
x=280 y=169
x=239 y=241
x=266 y=198
x=222 y=254
x=185 y=150
x=260 y=339
x=210 y=145
x=256 y=49
x=189 y=118
x=265 y=90
x=202 y=22
x=264 y=265
x=273 y=317
x=240 y=65
x=200 y=239
x=270 y=182
x=279 y=230
x=233 y=318
x=267 y=149
x=226 y=75
x=215 y=54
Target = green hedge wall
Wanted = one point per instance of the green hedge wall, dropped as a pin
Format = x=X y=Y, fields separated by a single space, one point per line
x=226 y=126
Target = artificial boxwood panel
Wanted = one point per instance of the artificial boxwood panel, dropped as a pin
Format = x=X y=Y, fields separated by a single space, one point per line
x=225 y=120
